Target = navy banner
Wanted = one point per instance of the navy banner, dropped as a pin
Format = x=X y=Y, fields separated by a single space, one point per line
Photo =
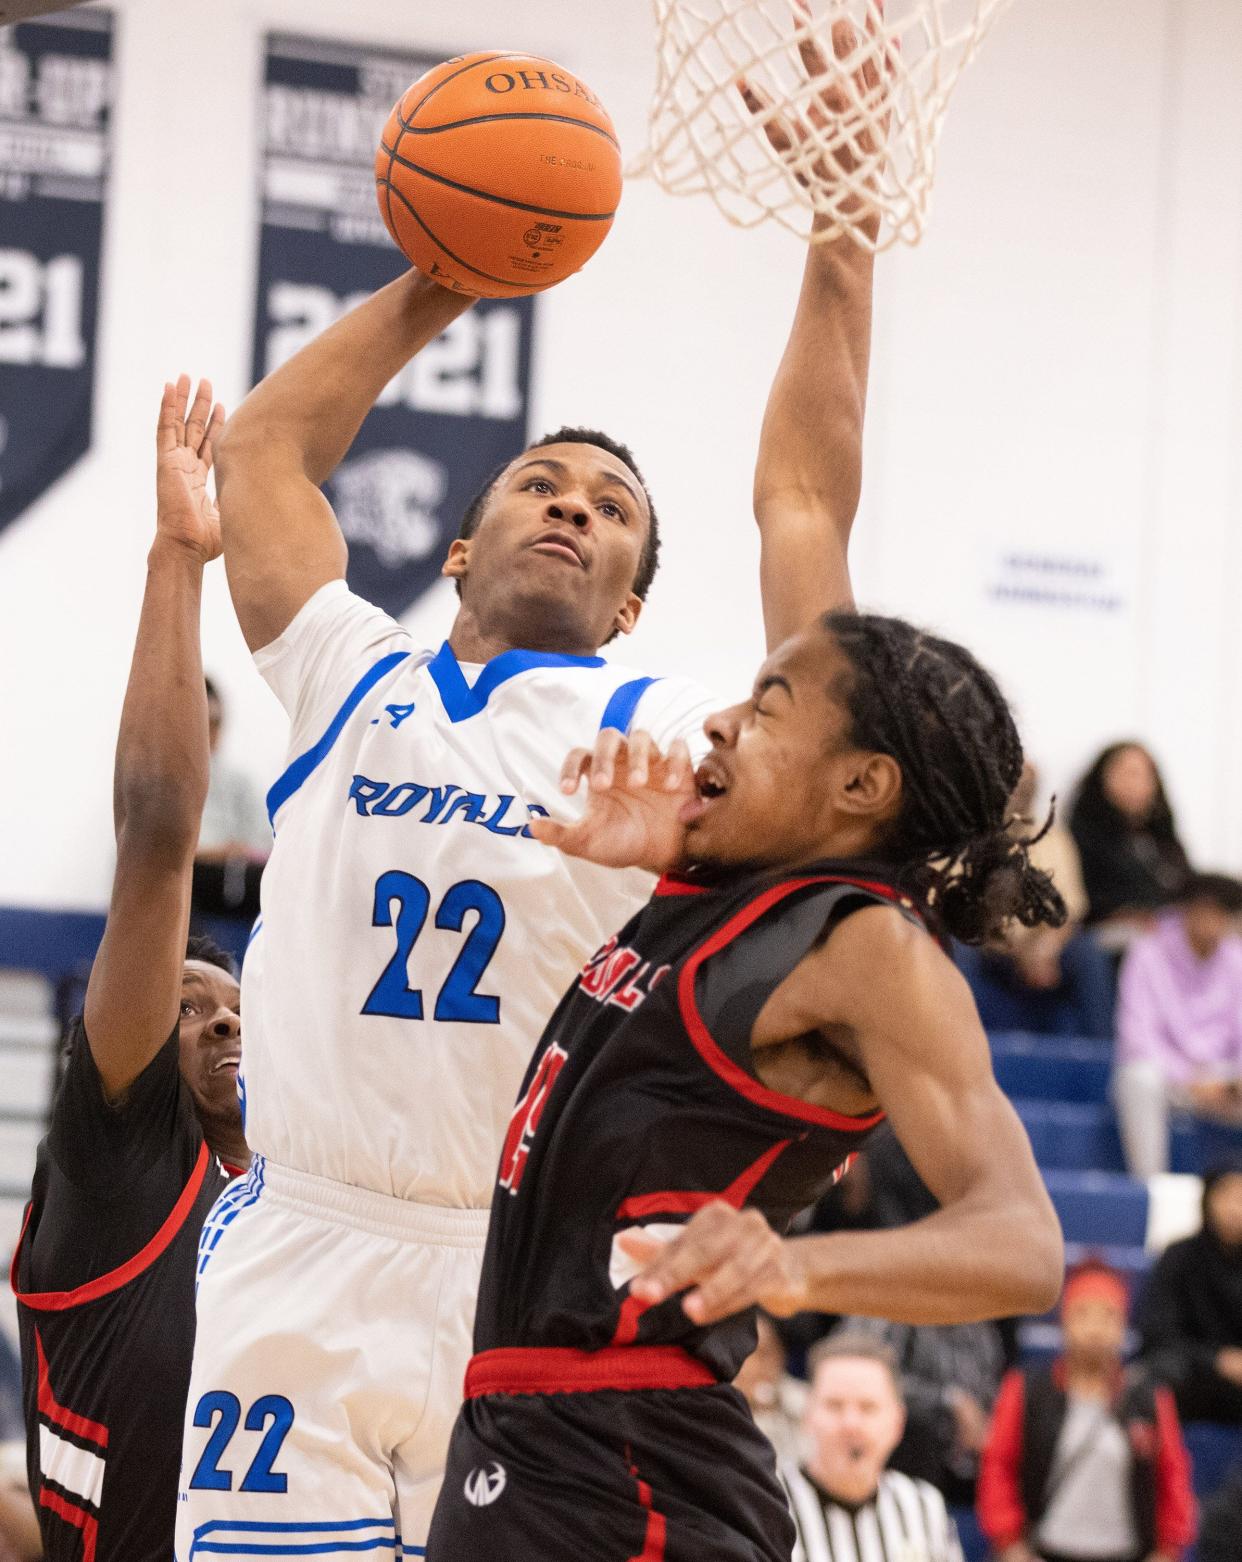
x=55 y=91
x=459 y=409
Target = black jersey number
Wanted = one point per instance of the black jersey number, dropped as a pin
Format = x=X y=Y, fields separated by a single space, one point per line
x=221 y=1411
x=402 y=903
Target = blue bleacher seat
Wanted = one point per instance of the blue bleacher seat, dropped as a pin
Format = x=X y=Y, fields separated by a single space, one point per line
x=1213 y=1450
x=1099 y=1208
x=1072 y=1135
x=1048 y=1068
x=974 y=1546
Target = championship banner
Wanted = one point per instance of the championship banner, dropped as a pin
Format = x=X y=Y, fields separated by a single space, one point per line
x=55 y=91
x=459 y=409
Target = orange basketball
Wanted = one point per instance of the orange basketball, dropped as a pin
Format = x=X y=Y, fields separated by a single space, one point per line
x=498 y=174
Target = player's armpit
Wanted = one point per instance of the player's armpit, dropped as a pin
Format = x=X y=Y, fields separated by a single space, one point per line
x=994 y=1247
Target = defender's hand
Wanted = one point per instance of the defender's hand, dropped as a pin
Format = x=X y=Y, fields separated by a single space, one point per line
x=726 y=1259
x=185 y=512
x=870 y=82
x=636 y=799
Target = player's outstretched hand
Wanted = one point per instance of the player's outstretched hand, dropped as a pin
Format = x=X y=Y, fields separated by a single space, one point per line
x=185 y=511
x=636 y=797
x=869 y=82
x=725 y=1260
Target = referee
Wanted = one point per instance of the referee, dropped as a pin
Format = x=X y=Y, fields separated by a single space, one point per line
x=146 y=1127
x=846 y=1505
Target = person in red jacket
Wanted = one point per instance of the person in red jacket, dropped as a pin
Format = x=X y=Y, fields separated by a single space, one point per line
x=1084 y=1463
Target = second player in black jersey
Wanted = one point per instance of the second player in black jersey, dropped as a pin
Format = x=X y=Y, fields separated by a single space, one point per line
x=713 y=1070
x=146 y=1128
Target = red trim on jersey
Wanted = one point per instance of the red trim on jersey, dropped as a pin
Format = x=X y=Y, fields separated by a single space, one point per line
x=233 y=1171
x=739 y=1190
x=670 y=884
x=89 y=1431
x=555 y=1371
x=657 y=1525
x=717 y=1060
x=626 y=1331
x=642 y=1205
x=78 y=1517
x=104 y=1285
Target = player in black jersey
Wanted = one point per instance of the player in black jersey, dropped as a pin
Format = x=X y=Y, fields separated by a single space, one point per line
x=146 y=1129
x=715 y=1067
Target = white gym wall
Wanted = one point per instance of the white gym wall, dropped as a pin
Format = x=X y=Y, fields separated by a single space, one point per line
x=1055 y=411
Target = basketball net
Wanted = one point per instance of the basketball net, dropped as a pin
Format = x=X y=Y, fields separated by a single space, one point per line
x=839 y=126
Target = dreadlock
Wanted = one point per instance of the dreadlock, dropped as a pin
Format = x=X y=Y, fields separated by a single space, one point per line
x=929 y=704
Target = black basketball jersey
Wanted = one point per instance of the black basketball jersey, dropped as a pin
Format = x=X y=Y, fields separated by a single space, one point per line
x=104 y=1275
x=642 y=1104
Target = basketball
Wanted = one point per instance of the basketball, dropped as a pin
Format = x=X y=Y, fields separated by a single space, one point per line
x=498 y=174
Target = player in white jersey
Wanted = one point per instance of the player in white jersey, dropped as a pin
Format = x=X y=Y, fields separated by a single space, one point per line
x=413 y=938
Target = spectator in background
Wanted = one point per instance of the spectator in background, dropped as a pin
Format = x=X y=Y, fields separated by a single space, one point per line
x=1220 y=1534
x=1191 y=1317
x=949 y=1378
x=1179 y=1021
x=1132 y=860
x=1083 y=1464
x=847 y=1506
x=235 y=838
x=777 y=1401
x=1053 y=981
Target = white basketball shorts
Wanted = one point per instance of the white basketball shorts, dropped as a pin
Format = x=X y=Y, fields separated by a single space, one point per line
x=334 y=1328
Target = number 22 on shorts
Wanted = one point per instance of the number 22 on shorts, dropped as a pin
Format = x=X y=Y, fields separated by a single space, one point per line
x=272 y=1414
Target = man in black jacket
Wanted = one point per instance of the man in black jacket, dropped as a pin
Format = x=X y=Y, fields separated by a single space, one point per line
x=1191 y=1318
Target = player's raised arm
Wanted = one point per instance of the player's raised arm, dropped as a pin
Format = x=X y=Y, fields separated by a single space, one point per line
x=809 y=472
x=160 y=780
x=281 y=539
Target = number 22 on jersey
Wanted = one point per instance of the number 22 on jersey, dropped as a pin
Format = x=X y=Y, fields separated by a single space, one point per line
x=402 y=902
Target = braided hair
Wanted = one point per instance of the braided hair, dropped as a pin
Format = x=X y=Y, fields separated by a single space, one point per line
x=928 y=704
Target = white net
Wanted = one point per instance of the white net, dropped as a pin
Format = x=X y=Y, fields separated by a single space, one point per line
x=822 y=114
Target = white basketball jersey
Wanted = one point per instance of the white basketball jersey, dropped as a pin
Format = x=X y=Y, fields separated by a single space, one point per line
x=414 y=938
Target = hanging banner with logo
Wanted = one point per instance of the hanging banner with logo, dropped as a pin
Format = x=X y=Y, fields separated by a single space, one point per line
x=55 y=91
x=458 y=410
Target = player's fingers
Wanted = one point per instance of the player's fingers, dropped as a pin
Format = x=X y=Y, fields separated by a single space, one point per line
x=678 y=766
x=642 y=756
x=551 y=832
x=739 y=1277
x=200 y=411
x=640 y=1245
x=181 y=395
x=577 y=764
x=207 y=450
x=606 y=759
x=689 y=1257
x=166 y=427
x=814 y=61
x=774 y=127
x=729 y=1290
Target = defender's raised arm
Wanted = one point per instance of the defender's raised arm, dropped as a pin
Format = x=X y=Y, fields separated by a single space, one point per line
x=160 y=780
x=809 y=471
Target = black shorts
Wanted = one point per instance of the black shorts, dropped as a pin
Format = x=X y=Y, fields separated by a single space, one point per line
x=647 y=1475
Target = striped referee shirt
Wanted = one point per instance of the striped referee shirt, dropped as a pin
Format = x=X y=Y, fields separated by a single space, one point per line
x=906 y=1521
